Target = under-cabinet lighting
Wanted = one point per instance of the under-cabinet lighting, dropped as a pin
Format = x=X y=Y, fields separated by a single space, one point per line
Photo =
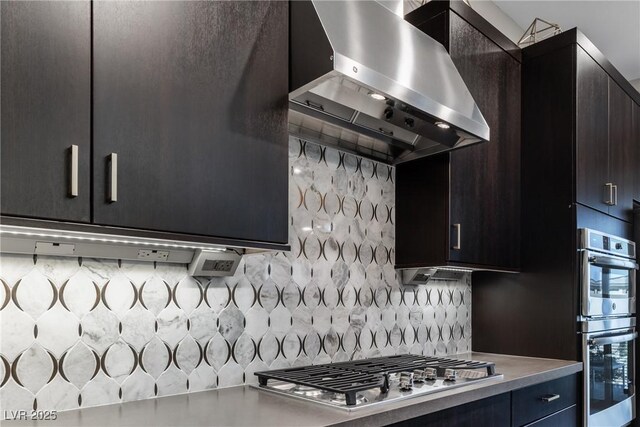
x=100 y=238
x=442 y=125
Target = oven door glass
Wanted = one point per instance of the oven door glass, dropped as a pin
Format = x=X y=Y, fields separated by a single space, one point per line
x=610 y=373
x=611 y=285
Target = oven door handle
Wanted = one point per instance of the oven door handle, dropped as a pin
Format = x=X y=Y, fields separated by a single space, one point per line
x=604 y=261
x=612 y=339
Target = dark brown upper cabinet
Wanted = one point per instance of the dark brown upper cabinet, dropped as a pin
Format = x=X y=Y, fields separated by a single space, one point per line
x=598 y=125
x=463 y=208
x=46 y=109
x=190 y=117
x=177 y=110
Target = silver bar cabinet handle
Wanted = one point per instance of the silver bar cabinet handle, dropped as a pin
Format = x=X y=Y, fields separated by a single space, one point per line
x=113 y=187
x=550 y=397
x=609 y=190
x=73 y=185
x=615 y=195
x=458 y=229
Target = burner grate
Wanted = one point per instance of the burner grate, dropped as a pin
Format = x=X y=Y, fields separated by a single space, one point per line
x=348 y=378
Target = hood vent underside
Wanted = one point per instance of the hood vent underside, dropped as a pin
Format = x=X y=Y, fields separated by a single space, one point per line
x=365 y=80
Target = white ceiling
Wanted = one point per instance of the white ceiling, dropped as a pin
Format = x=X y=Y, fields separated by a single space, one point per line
x=612 y=25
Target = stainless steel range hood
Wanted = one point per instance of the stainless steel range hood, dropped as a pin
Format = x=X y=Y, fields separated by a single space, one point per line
x=365 y=80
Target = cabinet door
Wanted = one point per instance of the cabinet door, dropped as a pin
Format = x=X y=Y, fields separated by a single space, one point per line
x=592 y=147
x=46 y=87
x=621 y=153
x=485 y=178
x=192 y=98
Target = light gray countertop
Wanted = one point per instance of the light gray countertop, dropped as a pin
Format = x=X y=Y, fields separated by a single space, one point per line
x=247 y=406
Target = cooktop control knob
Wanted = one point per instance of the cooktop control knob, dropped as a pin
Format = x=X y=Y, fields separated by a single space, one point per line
x=430 y=374
x=406 y=381
x=418 y=376
x=450 y=374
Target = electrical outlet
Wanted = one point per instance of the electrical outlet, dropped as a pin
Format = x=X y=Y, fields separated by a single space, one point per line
x=152 y=255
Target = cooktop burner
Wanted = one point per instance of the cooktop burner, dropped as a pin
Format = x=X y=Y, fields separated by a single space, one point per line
x=359 y=383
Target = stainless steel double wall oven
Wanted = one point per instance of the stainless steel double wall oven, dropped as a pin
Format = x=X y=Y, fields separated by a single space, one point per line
x=608 y=325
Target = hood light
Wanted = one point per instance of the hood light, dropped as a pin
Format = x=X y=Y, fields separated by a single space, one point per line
x=377 y=96
x=442 y=125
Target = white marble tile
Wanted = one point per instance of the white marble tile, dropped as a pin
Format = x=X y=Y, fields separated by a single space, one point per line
x=189 y=294
x=340 y=319
x=218 y=294
x=244 y=295
x=156 y=357
x=331 y=342
x=100 y=329
x=119 y=361
x=155 y=294
x=138 y=385
x=15 y=398
x=268 y=348
x=137 y=271
x=138 y=326
x=172 y=381
x=202 y=378
x=35 y=293
x=79 y=365
x=311 y=295
x=101 y=390
x=203 y=324
x=172 y=325
x=57 y=269
x=291 y=346
x=13 y=267
x=244 y=350
x=16 y=331
x=230 y=374
x=231 y=323
x=34 y=368
x=217 y=352
x=79 y=294
x=188 y=355
x=58 y=330
x=119 y=294
x=59 y=395
x=100 y=270
x=257 y=322
x=280 y=321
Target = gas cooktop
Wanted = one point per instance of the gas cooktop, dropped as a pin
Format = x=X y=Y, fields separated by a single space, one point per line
x=361 y=383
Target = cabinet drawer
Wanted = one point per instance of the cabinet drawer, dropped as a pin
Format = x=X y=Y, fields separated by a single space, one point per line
x=567 y=417
x=538 y=401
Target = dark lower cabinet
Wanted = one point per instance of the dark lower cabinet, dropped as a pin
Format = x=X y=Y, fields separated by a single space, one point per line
x=466 y=204
x=553 y=403
x=46 y=109
x=190 y=107
x=567 y=417
x=541 y=400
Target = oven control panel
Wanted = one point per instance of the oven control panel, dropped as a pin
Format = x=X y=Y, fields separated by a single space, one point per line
x=597 y=241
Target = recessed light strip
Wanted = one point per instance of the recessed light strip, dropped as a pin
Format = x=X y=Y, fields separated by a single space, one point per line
x=101 y=238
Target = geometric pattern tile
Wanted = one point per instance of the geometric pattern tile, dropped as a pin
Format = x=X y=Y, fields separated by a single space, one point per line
x=86 y=332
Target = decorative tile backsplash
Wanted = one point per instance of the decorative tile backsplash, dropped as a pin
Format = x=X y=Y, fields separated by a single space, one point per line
x=85 y=332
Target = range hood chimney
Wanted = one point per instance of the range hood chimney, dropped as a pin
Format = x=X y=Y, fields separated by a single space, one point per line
x=365 y=80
